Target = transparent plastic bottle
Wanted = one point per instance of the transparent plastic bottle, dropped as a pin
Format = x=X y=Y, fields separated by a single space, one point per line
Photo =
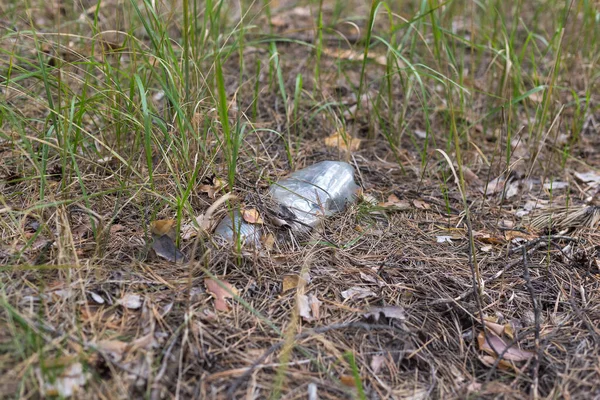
x=304 y=197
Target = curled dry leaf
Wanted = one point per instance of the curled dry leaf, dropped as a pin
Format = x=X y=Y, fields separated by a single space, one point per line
x=308 y=307
x=252 y=216
x=514 y=234
x=343 y=141
x=494 y=327
x=221 y=294
x=131 y=301
x=303 y=307
x=493 y=342
x=487 y=238
x=315 y=306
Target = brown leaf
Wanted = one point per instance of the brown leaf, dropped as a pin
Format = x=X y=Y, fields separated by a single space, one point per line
x=113 y=348
x=420 y=204
x=315 y=305
x=512 y=354
x=116 y=228
x=513 y=234
x=494 y=327
x=290 y=282
x=252 y=216
x=268 y=241
x=489 y=361
x=394 y=202
x=471 y=177
x=343 y=141
x=487 y=238
x=214 y=188
x=220 y=293
x=348 y=380
x=162 y=227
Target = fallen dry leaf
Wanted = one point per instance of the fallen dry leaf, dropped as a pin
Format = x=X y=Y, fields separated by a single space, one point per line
x=513 y=353
x=113 y=348
x=252 y=216
x=268 y=241
x=494 y=327
x=220 y=294
x=513 y=234
x=471 y=177
x=394 y=202
x=487 y=238
x=420 y=204
x=131 y=301
x=308 y=307
x=343 y=142
x=289 y=282
x=162 y=227
x=315 y=306
x=212 y=189
x=356 y=293
x=376 y=362
x=304 y=307
x=116 y=228
x=348 y=380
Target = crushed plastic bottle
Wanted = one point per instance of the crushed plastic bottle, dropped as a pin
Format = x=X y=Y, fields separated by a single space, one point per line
x=316 y=191
x=247 y=233
x=306 y=196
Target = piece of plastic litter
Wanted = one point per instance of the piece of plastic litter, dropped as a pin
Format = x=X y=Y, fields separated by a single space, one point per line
x=307 y=195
